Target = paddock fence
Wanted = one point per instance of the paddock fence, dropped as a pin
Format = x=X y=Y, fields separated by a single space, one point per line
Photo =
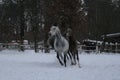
x=100 y=48
x=81 y=48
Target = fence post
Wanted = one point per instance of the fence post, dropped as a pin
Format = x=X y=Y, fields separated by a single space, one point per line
x=0 y=47
x=116 y=47
x=97 y=50
x=79 y=48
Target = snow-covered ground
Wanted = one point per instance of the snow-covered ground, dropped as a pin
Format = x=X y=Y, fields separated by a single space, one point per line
x=28 y=65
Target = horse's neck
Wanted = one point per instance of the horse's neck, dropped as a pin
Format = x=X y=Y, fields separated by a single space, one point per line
x=58 y=36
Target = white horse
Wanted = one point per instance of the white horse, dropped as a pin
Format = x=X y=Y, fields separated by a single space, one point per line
x=61 y=45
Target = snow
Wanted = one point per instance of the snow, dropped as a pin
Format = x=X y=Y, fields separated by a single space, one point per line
x=115 y=34
x=28 y=65
x=111 y=35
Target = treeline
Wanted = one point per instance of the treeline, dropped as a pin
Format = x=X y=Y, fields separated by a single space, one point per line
x=103 y=17
x=31 y=19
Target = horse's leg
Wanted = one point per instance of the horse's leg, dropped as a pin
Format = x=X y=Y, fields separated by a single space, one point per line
x=59 y=59
x=72 y=58
x=78 y=58
x=65 y=55
x=69 y=54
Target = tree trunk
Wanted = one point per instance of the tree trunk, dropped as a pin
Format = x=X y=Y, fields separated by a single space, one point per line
x=22 y=26
x=35 y=38
x=46 y=30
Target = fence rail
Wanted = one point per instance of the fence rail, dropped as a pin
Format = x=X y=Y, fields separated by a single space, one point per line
x=99 y=48
x=81 y=48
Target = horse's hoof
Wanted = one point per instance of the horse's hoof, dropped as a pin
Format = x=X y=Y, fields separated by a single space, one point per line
x=79 y=66
x=73 y=63
x=65 y=66
x=61 y=64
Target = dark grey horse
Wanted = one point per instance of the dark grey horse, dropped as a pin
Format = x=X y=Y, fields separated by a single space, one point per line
x=61 y=45
x=73 y=49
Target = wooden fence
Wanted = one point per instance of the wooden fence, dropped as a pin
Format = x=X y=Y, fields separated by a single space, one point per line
x=81 y=48
x=99 y=48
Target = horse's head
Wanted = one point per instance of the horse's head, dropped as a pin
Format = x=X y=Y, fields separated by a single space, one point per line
x=54 y=30
x=69 y=32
